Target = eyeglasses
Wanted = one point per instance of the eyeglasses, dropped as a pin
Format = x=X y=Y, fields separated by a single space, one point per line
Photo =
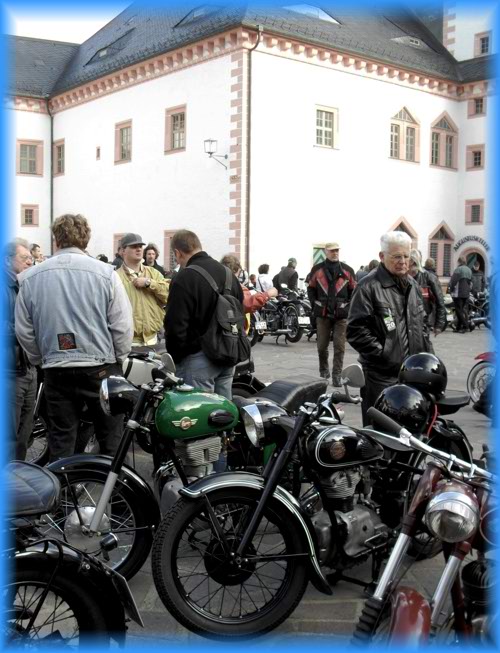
x=25 y=257
x=400 y=257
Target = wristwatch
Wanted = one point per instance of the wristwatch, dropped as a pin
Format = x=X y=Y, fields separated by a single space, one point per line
x=148 y=283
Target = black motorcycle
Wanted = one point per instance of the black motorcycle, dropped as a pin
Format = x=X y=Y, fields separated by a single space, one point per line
x=284 y=315
x=56 y=594
x=234 y=555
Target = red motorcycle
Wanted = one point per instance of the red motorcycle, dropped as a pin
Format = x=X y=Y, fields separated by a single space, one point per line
x=453 y=501
x=481 y=375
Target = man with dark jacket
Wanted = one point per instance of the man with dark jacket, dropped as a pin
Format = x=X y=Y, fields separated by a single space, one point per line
x=435 y=311
x=151 y=254
x=331 y=285
x=20 y=372
x=478 y=281
x=386 y=321
x=460 y=287
x=190 y=306
x=288 y=276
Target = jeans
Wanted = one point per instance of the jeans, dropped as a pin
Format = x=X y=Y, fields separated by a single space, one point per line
x=68 y=390
x=197 y=370
x=324 y=327
x=25 y=392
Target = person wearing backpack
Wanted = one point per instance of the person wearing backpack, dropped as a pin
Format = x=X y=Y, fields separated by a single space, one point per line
x=204 y=319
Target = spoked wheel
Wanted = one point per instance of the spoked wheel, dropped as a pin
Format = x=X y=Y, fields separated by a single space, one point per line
x=292 y=323
x=424 y=546
x=479 y=378
x=124 y=517
x=68 y=616
x=38 y=443
x=206 y=588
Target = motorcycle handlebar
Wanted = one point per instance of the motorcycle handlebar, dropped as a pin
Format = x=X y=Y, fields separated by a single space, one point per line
x=342 y=397
x=387 y=424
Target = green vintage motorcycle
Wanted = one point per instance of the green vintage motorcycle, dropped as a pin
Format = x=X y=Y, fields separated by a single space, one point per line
x=107 y=509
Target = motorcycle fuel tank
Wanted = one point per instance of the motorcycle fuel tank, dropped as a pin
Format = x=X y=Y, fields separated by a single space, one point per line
x=190 y=413
x=340 y=446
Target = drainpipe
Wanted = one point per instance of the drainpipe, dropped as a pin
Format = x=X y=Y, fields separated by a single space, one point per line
x=51 y=153
x=249 y=143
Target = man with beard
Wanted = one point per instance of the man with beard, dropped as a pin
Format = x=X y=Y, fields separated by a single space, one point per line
x=386 y=321
x=331 y=285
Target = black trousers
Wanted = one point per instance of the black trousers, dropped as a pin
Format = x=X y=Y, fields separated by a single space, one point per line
x=68 y=391
x=375 y=382
x=462 y=313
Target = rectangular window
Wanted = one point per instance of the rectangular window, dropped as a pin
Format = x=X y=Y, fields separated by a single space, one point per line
x=29 y=215
x=97 y=153
x=433 y=251
x=123 y=142
x=435 y=149
x=449 y=152
x=474 y=157
x=447 y=260
x=484 y=44
x=474 y=211
x=324 y=128
x=58 y=154
x=28 y=159
x=478 y=159
x=395 y=133
x=478 y=105
x=410 y=144
x=175 y=129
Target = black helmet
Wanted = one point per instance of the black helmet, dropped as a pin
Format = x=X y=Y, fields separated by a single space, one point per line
x=406 y=406
x=425 y=372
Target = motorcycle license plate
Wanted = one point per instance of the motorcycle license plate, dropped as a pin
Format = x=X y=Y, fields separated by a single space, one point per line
x=450 y=318
x=304 y=320
x=261 y=326
x=126 y=596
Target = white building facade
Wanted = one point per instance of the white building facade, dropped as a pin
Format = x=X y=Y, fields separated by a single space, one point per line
x=322 y=145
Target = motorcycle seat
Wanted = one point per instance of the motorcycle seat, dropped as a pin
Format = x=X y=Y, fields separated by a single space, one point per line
x=452 y=403
x=33 y=490
x=291 y=394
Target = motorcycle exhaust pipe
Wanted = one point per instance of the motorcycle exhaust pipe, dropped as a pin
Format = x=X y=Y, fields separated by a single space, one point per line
x=281 y=331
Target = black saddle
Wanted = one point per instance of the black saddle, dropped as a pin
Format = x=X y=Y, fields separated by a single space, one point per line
x=452 y=403
x=289 y=394
x=33 y=490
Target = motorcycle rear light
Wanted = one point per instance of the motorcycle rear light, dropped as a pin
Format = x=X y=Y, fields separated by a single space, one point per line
x=452 y=516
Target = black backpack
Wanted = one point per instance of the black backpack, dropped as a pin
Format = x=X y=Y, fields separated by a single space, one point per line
x=225 y=341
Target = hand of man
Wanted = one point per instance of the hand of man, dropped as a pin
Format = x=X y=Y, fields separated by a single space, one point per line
x=437 y=332
x=141 y=282
x=272 y=292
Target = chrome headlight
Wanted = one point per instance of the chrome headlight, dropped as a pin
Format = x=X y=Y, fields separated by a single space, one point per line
x=254 y=426
x=452 y=516
x=104 y=397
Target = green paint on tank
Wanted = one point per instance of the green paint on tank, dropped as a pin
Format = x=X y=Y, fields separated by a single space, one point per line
x=187 y=414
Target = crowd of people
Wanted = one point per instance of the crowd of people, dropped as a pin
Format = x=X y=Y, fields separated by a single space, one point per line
x=74 y=319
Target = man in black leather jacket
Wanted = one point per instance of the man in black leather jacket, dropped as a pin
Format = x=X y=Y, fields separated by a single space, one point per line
x=386 y=320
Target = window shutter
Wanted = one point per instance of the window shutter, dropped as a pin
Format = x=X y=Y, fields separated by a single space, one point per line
x=117 y=143
x=35 y=215
x=469 y=159
x=168 y=131
x=471 y=108
x=39 y=159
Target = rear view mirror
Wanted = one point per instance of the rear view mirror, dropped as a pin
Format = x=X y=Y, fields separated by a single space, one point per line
x=353 y=376
x=168 y=362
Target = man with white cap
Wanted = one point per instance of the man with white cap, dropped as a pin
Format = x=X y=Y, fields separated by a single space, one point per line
x=331 y=285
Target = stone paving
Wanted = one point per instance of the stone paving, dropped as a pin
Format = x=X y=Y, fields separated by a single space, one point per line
x=317 y=614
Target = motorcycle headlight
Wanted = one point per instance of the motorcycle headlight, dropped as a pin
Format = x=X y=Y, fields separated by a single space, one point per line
x=117 y=395
x=254 y=426
x=104 y=397
x=452 y=516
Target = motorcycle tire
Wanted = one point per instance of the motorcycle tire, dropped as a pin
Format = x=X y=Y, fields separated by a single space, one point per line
x=253 y=334
x=127 y=512
x=373 y=623
x=69 y=616
x=237 y=606
x=292 y=318
x=480 y=375
x=423 y=545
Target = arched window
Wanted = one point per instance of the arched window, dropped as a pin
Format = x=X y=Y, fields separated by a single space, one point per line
x=440 y=249
x=444 y=142
x=405 y=137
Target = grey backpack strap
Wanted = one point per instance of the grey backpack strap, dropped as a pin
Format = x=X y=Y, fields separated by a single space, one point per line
x=206 y=276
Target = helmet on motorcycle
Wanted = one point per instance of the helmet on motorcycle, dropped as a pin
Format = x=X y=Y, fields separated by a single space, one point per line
x=425 y=372
x=406 y=406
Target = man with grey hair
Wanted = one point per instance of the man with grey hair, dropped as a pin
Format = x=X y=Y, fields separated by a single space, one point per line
x=21 y=374
x=386 y=320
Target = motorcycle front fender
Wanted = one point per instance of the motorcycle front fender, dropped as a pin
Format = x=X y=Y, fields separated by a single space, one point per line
x=410 y=617
x=127 y=476
x=209 y=484
x=88 y=576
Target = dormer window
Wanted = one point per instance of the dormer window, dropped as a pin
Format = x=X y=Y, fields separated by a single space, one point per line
x=199 y=12
x=312 y=12
x=112 y=48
